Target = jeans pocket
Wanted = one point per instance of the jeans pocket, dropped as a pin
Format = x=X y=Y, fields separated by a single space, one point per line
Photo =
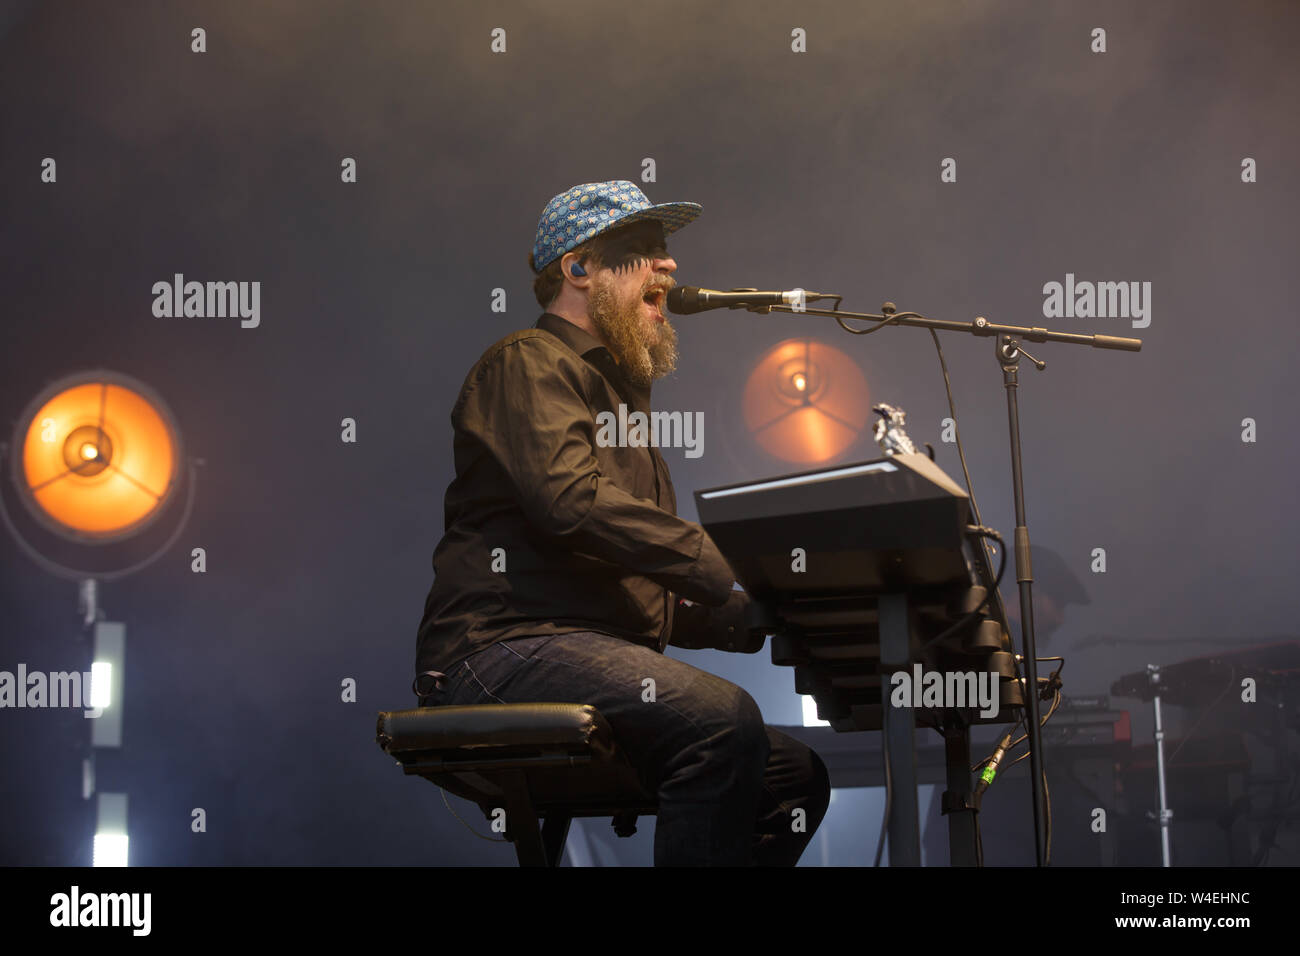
x=492 y=669
x=525 y=647
x=485 y=671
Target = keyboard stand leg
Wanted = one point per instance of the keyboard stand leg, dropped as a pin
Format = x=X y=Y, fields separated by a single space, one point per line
x=958 y=799
x=899 y=723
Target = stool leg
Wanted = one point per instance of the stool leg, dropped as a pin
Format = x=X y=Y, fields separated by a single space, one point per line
x=555 y=830
x=521 y=820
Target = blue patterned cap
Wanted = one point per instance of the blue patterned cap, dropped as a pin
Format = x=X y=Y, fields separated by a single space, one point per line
x=577 y=214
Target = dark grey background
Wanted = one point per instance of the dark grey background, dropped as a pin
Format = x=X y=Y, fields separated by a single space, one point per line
x=819 y=170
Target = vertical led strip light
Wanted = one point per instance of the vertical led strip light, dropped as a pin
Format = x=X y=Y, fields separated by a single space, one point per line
x=106 y=695
x=111 y=841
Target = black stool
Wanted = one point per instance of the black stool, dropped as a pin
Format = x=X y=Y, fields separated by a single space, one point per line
x=549 y=761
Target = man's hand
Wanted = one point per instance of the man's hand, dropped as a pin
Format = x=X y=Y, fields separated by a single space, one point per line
x=725 y=628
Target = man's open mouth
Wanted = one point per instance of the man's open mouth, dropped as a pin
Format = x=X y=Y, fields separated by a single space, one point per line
x=655 y=297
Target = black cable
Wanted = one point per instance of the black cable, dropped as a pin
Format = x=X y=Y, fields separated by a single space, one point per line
x=1015 y=743
x=891 y=319
x=975 y=531
x=970 y=487
x=466 y=824
x=1047 y=805
x=1055 y=703
x=1047 y=794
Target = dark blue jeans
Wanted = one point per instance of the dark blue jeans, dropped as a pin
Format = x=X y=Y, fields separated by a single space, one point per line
x=728 y=785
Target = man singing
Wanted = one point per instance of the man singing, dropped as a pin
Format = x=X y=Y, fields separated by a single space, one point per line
x=564 y=570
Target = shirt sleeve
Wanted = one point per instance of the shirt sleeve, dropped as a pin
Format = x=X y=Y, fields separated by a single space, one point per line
x=526 y=408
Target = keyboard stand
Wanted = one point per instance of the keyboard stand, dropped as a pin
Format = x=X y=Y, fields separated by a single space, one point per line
x=898 y=731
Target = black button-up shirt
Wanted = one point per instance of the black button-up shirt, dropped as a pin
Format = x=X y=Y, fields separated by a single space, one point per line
x=547 y=532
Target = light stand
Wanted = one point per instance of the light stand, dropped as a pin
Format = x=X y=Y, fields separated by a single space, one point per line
x=1166 y=815
x=96 y=459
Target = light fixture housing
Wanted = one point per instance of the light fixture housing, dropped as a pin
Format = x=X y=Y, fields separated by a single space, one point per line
x=96 y=457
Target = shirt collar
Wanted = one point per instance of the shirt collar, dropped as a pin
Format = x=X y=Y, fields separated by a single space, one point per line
x=576 y=338
x=596 y=355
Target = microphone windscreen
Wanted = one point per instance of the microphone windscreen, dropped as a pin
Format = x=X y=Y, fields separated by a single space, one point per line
x=683 y=300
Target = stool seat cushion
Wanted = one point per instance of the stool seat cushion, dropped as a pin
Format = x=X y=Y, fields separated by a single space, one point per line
x=484 y=728
x=533 y=761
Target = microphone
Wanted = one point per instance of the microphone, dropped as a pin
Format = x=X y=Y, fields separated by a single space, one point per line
x=687 y=300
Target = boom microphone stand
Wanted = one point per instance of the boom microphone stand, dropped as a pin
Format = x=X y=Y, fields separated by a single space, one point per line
x=1008 y=354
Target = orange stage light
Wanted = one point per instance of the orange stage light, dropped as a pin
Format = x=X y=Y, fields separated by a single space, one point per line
x=806 y=402
x=98 y=457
